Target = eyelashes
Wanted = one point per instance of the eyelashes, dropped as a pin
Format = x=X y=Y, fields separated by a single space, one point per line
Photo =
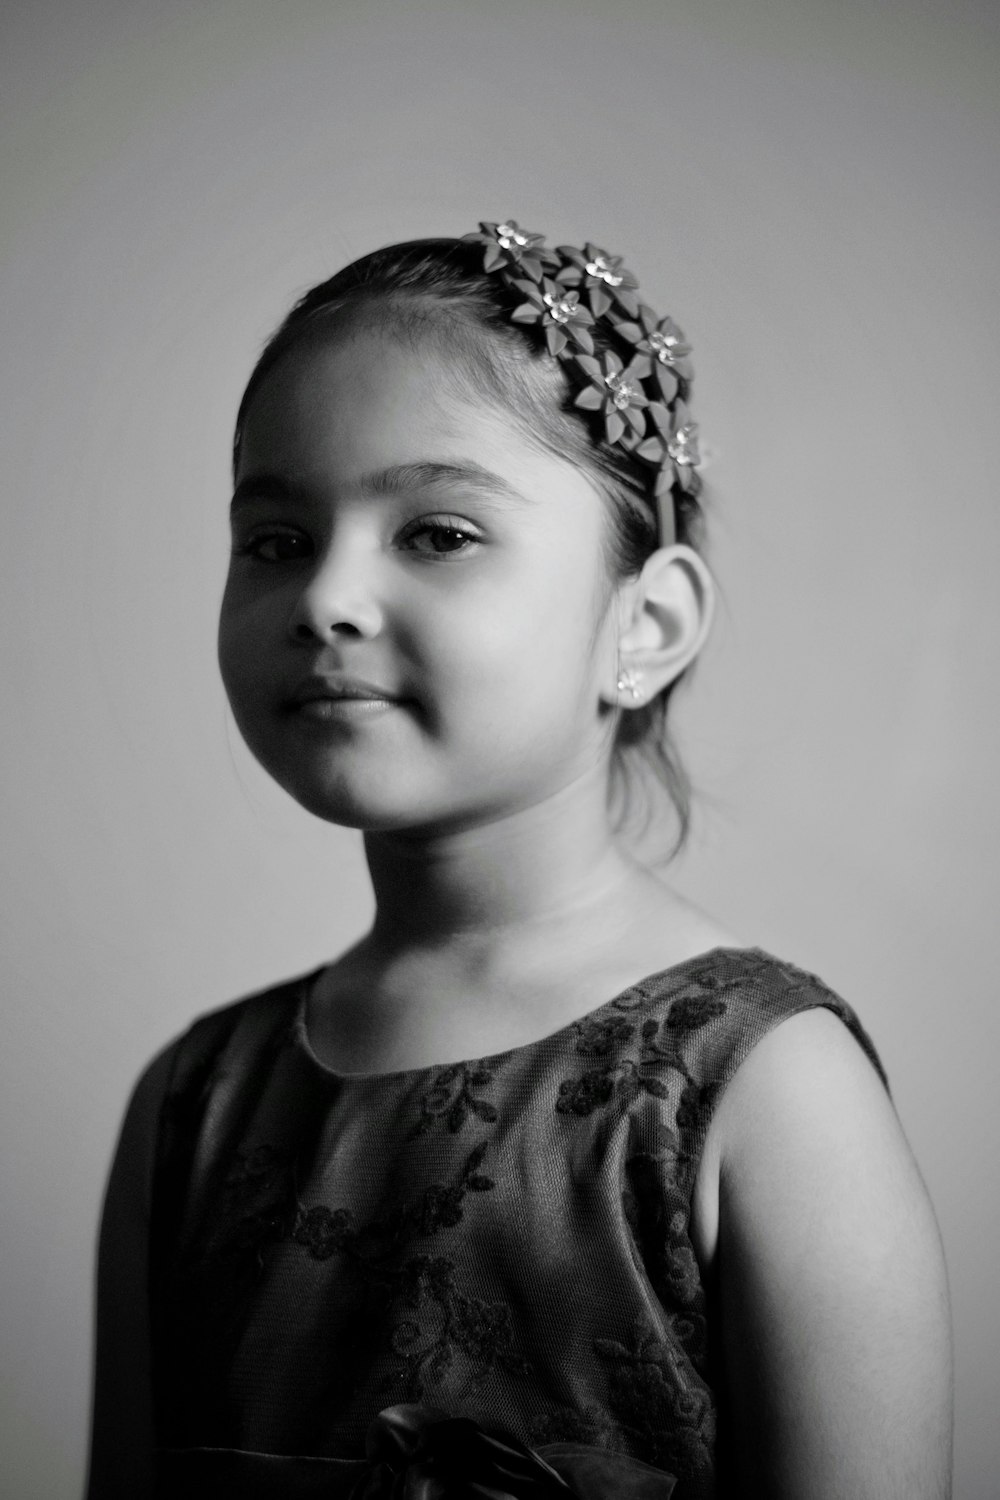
x=437 y=538
x=274 y=545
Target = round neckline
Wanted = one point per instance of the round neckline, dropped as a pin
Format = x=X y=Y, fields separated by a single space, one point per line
x=657 y=978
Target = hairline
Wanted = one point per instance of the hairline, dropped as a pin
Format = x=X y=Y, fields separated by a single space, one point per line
x=408 y=318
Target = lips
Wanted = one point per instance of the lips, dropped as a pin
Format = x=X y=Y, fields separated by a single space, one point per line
x=339 y=688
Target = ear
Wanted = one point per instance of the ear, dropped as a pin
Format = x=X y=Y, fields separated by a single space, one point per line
x=666 y=614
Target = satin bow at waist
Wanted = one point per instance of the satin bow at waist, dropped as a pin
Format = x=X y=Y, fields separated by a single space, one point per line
x=415 y=1453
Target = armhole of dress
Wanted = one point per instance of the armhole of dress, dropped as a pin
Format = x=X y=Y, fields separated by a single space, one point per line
x=778 y=992
x=774 y=993
x=791 y=993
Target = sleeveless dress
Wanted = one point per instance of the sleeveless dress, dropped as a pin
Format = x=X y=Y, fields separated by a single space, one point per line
x=503 y=1241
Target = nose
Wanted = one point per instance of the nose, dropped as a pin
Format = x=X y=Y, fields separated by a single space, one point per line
x=336 y=600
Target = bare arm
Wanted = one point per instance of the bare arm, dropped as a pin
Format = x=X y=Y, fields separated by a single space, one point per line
x=121 y=1452
x=832 y=1290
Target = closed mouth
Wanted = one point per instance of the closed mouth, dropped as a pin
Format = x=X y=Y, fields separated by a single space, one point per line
x=339 y=689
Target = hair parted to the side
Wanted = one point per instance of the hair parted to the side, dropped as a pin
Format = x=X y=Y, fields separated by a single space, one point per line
x=436 y=290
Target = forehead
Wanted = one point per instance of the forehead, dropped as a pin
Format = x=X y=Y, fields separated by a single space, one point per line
x=333 y=409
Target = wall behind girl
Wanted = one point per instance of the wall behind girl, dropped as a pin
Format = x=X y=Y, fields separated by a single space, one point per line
x=841 y=724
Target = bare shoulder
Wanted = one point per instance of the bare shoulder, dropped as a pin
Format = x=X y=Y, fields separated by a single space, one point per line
x=807 y=1087
x=815 y=1221
x=805 y=1123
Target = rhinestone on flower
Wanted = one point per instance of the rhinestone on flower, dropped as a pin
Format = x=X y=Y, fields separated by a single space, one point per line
x=602 y=269
x=615 y=390
x=511 y=233
x=666 y=345
x=558 y=311
x=562 y=309
x=683 y=446
x=508 y=247
x=604 y=278
x=622 y=394
x=638 y=383
x=671 y=447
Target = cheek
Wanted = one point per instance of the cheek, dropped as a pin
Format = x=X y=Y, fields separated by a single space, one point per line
x=226 y=639
x=529 y=650
x=241 y=637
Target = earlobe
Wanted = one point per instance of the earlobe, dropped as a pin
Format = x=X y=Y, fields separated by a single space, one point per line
x=669 y=621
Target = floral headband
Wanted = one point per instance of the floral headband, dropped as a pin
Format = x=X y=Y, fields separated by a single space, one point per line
x=640 y=392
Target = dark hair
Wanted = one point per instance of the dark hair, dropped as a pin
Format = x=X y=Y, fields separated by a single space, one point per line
x=437 y=289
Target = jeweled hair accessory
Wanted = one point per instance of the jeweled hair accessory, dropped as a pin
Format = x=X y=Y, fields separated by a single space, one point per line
x=639 y=383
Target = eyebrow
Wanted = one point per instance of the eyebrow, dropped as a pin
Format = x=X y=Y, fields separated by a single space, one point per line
x=396 y=479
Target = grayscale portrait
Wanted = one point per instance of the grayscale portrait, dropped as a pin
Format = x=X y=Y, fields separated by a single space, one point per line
x=500 y=750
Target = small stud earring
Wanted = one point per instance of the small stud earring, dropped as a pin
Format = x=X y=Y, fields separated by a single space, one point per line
x=630 y=682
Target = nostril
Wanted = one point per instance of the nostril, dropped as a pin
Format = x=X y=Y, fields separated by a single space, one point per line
x=317 y=616
x=303 y=631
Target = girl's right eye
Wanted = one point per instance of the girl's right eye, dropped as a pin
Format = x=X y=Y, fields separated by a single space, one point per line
x=275 y=545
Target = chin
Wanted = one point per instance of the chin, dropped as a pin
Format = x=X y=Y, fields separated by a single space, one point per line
x=367 y=804
x=402 y=792
x=414 y=812
x=348 y=807
x=353 y=787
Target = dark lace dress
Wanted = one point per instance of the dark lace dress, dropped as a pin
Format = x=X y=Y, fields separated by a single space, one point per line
x=504 y=1240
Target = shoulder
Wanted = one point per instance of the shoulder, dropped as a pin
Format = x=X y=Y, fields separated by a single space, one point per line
x=807 y=1180
x=243 y=1027
x=735 y=997
x=235 y=1036
x=814 y=1217
x=786 y=1044
x=806 y=1093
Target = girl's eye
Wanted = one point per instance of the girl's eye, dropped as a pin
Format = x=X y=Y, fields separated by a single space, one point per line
x=275 y=546
x=439 y=538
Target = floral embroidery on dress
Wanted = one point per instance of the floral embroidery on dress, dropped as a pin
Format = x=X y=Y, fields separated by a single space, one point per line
x=589 y=1424
x=653 y=1396
x=436 y=1323
x=440 y=1323
x=581 y=1096
x=325 y=1232
x=260 y=1209
x=449 y=1325
x=655 y=1388
x=452 y=1097
x=628 y=1078
x=597 y=1037
x=393 y=1244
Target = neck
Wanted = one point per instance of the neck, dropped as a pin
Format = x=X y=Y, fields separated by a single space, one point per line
x=543 y=869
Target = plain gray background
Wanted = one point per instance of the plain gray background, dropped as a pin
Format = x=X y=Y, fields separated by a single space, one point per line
x=811 y=190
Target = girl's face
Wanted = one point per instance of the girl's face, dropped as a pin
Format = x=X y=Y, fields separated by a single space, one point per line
x=416 y=623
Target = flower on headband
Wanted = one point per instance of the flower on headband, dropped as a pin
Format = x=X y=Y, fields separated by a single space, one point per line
x=672 y=446
x=510 y=247
x=603 y=276
x=666 y=345
x=559 y=311
x=616 y=391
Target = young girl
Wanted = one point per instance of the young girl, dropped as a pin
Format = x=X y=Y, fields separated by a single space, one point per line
x=549 y=1186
